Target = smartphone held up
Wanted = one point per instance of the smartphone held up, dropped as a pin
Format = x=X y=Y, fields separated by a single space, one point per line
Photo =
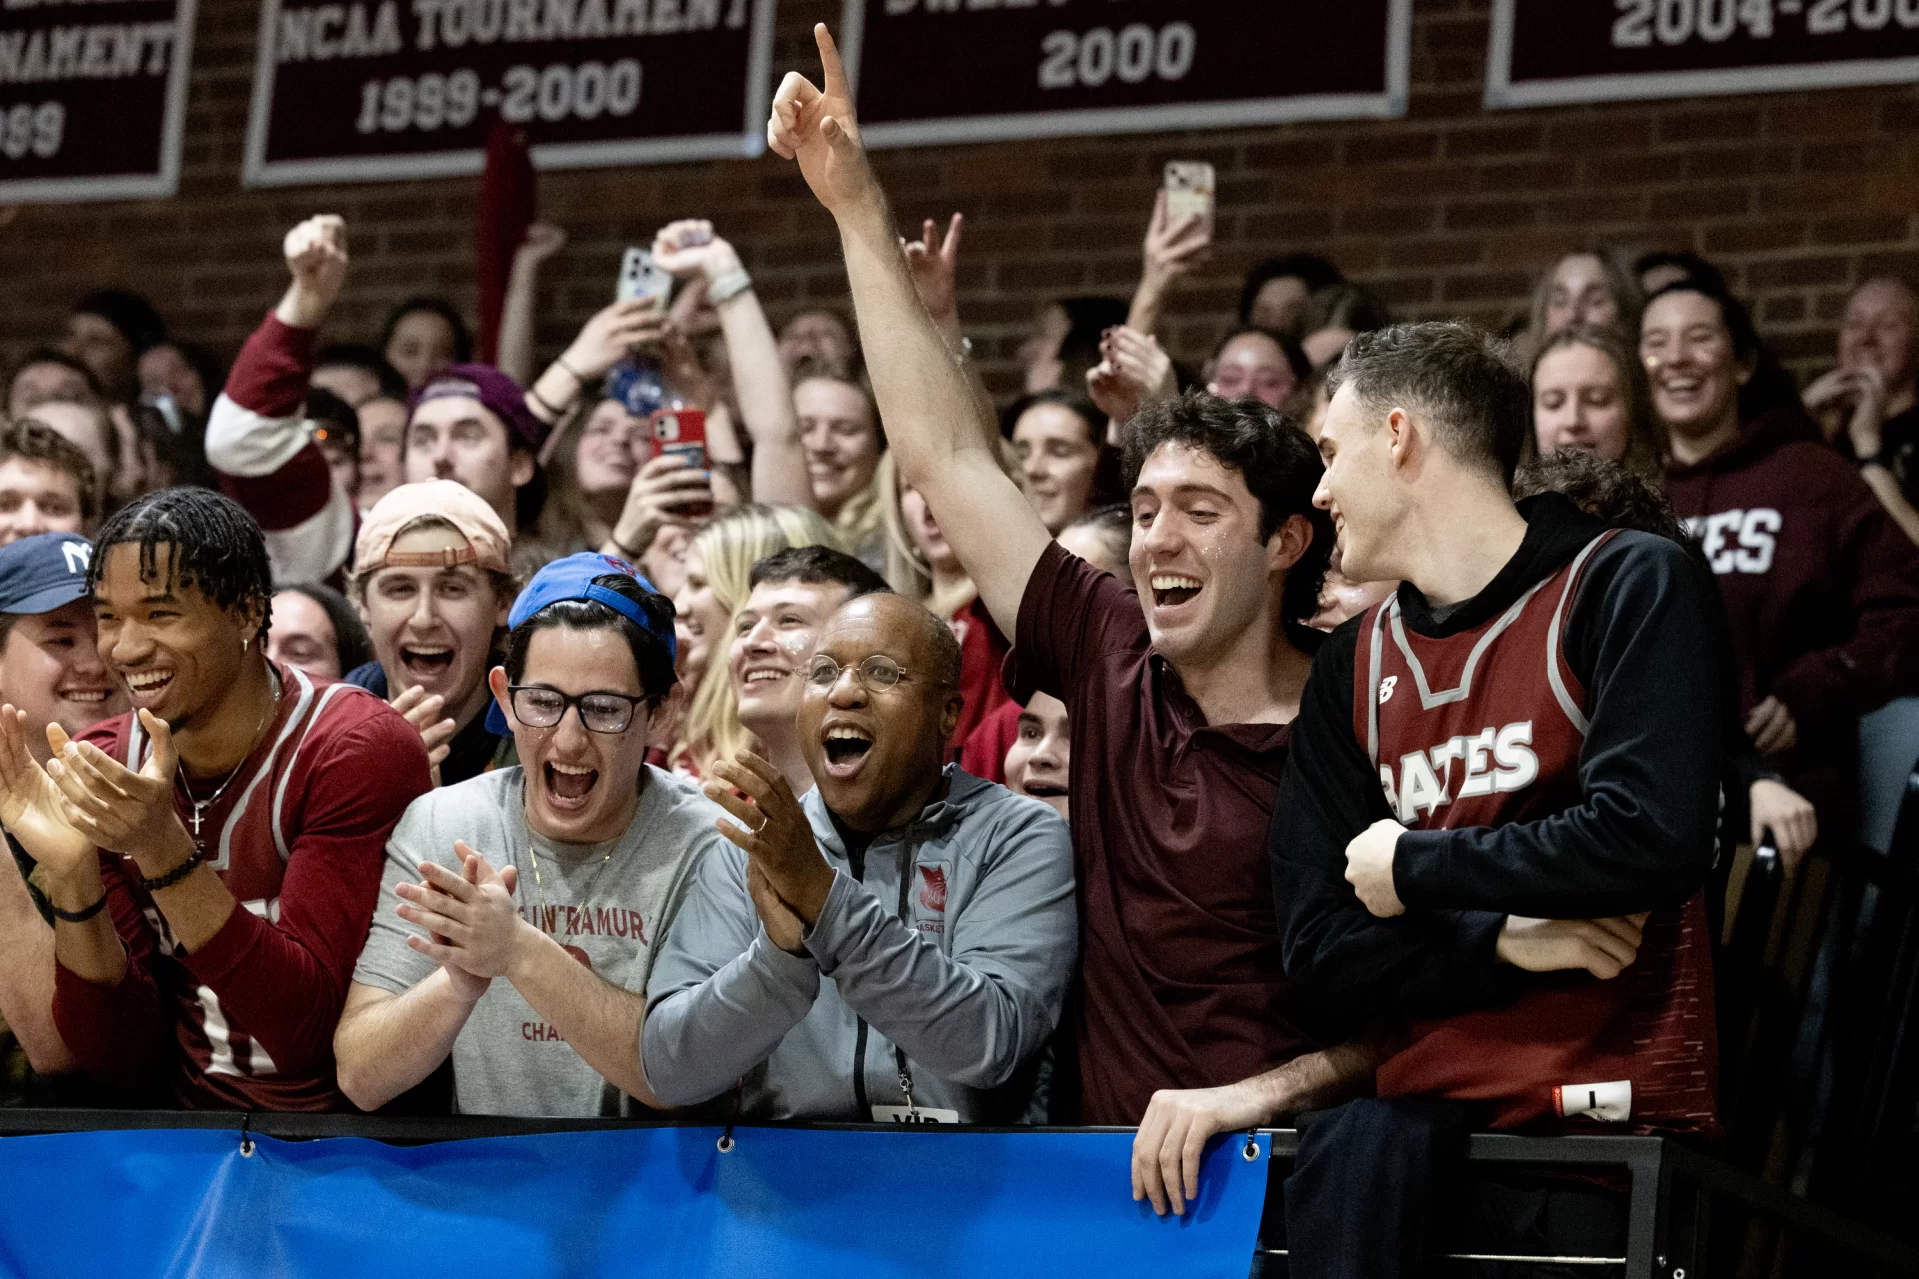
x=682 y=433
x=1189 y=192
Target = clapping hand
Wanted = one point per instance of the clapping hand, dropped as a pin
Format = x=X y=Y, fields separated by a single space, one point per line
x=775 y=834
x=783 y=928
x=422 y=710
x=31 y=806
x=818 y=128
x=473 y=923
x=117 y=808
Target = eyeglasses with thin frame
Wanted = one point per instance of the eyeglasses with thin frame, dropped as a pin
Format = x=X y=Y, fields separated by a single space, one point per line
x=878 y=673
x=537 y=706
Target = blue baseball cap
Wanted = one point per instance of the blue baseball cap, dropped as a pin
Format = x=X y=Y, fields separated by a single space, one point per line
x=571 y=578
x=41 y=573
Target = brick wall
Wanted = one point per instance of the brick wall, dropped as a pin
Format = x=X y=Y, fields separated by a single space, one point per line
x=1449 y=211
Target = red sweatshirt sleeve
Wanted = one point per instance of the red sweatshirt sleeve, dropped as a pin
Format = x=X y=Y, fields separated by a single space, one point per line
x=261 y=445
x=119 y=1034
x=286 y=980
x=1879 y=567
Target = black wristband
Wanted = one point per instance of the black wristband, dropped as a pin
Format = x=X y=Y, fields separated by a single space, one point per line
x=175 y=875
x=1881 y=459
x=79 y=916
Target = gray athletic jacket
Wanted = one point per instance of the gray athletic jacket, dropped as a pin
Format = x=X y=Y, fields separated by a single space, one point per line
x=961 y=962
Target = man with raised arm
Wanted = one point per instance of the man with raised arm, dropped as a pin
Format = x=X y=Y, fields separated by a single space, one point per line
x=1181 y=683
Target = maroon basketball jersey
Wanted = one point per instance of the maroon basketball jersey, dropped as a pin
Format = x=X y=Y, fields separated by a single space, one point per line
x=247 y=834
x=1482 y=728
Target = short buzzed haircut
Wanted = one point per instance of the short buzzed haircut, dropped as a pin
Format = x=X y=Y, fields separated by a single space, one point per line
x=1460 y=376
x=30 y=440
x=818 y=566
x=942 y=645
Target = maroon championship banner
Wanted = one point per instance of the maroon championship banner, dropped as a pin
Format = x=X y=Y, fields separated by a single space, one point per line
x=92 y=98
x=373 y=90
x=943 y=71
x=1551 y=51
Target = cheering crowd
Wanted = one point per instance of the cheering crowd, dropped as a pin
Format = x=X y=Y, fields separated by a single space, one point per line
x=1360 y=723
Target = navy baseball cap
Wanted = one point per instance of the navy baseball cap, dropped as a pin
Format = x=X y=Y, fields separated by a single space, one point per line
x=41 y=573
x=571 y=578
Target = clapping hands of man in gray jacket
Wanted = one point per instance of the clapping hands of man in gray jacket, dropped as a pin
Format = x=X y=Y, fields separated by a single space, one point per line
x=893 y=946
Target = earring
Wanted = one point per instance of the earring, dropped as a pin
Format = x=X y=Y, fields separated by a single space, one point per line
x=246 y=643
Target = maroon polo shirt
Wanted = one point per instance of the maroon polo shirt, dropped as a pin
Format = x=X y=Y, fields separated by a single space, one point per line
x=1181 y=984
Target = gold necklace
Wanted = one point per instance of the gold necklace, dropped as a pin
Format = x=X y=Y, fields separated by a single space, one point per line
x=200 y=806
x=546 y=907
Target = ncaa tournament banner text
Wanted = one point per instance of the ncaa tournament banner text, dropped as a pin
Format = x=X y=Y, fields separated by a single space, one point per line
x=943 y=71
x=359 y=90
x=93 y=96
x=1552 y=51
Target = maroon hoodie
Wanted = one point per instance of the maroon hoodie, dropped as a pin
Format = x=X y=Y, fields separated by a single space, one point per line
x=1821 y=587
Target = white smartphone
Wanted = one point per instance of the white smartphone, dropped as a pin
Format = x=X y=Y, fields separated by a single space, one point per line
x=1189 y=190
x=643 y=280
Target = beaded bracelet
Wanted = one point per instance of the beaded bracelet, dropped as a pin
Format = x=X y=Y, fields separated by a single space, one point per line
x=175 y=875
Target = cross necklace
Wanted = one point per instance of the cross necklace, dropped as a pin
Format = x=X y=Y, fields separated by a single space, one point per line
x=200 y=806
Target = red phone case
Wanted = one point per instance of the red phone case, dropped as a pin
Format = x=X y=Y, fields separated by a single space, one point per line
x=681 y=433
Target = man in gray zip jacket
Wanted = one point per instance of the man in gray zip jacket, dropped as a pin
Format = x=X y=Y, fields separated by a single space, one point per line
x=896 y=946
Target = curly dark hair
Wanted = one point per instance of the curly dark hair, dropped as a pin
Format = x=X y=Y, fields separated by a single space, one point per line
x=217 y=548
x=1610 y=491
x=1277 y=460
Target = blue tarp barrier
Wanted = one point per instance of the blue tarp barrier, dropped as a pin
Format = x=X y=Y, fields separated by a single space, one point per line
x=784 y=1202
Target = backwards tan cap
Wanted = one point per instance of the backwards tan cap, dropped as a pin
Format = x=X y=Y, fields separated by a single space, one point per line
x=487 y=543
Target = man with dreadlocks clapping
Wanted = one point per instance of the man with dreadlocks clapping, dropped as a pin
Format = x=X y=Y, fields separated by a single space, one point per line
x=213 y=858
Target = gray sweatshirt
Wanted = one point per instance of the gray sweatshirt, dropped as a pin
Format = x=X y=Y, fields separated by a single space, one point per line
x=961 y=963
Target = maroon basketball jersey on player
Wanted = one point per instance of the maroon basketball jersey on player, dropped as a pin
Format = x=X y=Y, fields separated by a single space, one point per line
x=1483 y=728
x=247 y=834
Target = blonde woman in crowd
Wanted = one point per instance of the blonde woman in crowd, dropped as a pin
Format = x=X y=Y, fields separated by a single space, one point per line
x=1589 y=288
x=1590 y=395
x=844 y=444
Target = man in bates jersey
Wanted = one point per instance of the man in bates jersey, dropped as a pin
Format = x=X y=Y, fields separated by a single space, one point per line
x=212 y=860
x=1499 y=812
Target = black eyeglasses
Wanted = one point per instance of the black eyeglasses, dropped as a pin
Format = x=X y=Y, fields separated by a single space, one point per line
x=877 y=672
x=537 y=706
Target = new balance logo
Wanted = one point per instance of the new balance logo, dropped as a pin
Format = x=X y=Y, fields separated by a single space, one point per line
x=1386 y=687
x=1494 y=759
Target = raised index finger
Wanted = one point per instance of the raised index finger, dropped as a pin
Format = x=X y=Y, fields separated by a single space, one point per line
x=830 y=60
